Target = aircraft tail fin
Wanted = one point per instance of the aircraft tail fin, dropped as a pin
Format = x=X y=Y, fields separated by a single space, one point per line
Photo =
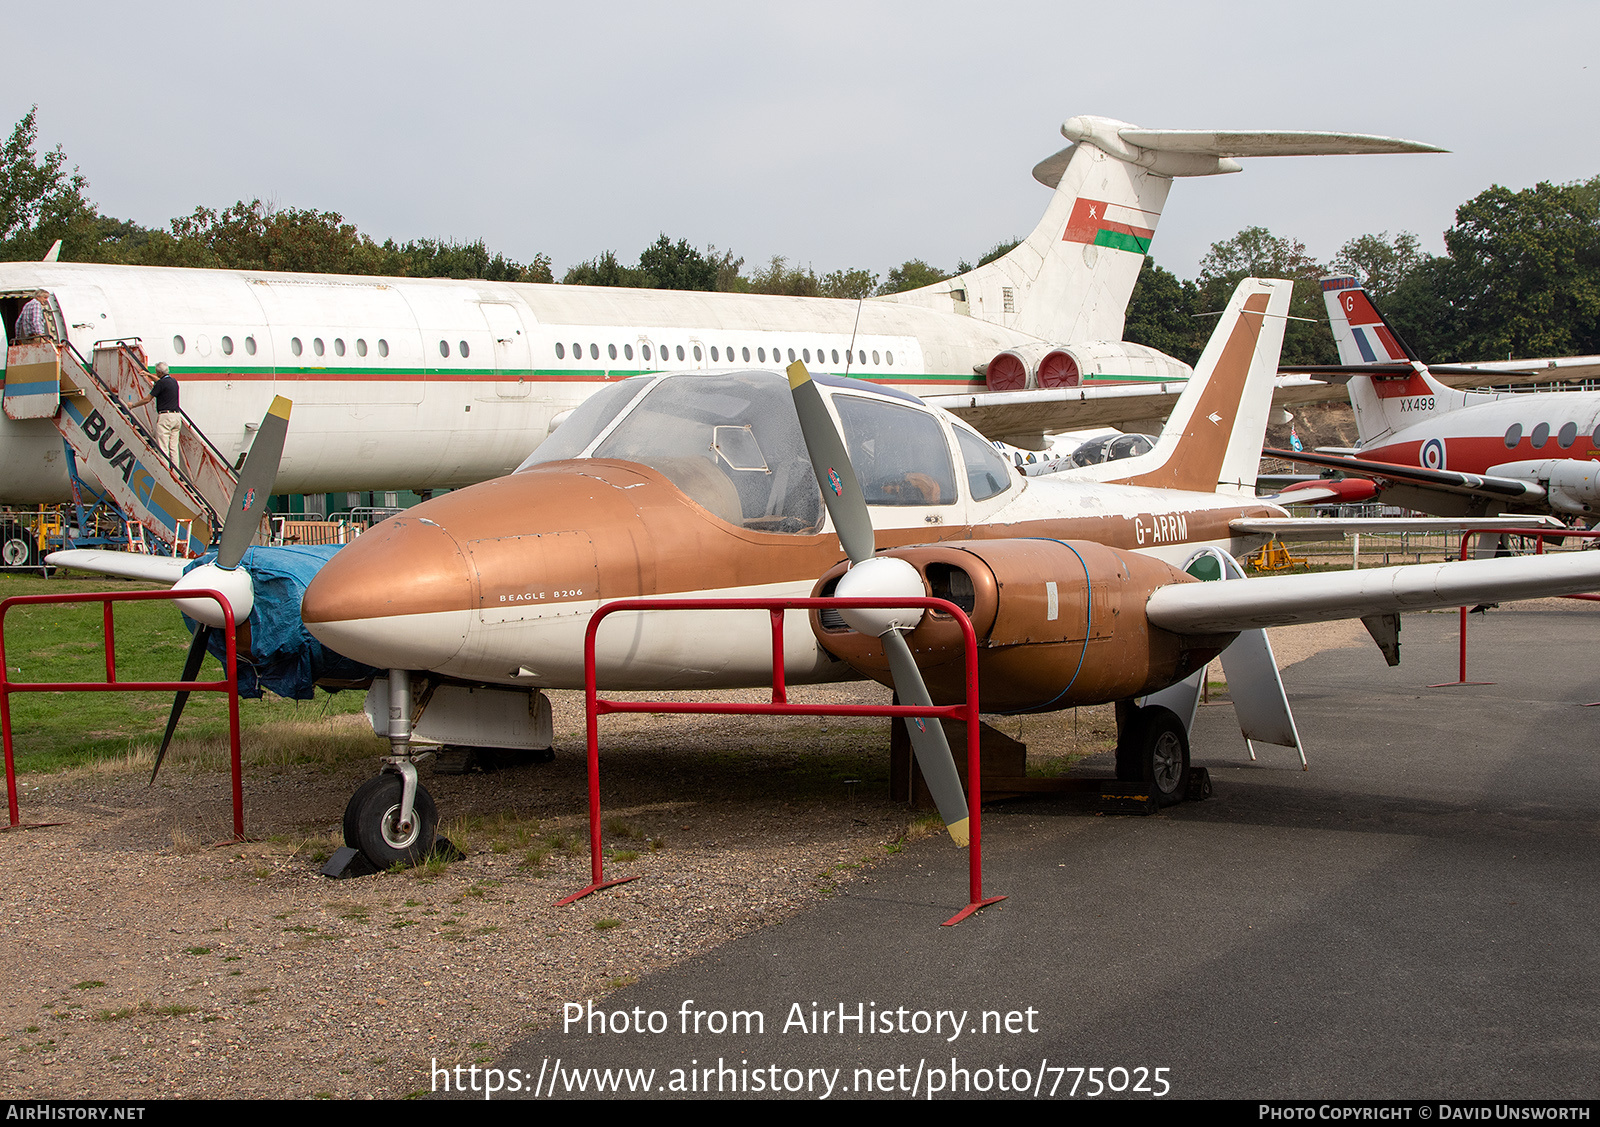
x=1071 y=278
x=1212 y=440
x=1390 y=400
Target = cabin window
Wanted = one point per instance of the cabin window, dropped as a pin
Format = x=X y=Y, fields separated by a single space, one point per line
x=1514 y=435
x=177 y=345
x=250 y=345
x=1567 y=435
x=836 y=356
x=338 y=346
x=874 y=356
x=316 y=345
x=361 y=346
x=594 y=351
x=1540 y=435
x=644 y=350
x=888 y=358
x=444 y=348
x=227 y=346
x=861 y=357
x=465 y=351
x=679 y=351
x=627 y=352
x=561 y=351
x=577 y=351
x=761 y=355
x=611 y=351
x=295 y=346
x=898 y=452
x=383 y=347
x=697 y=353
x=713 y=354
x=988 y=474
x=805 y=354
x=746 y=355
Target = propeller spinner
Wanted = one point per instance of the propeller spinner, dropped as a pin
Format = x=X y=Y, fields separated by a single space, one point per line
x=872 y=576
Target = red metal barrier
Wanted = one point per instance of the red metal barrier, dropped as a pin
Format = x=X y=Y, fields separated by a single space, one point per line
x=1540 y=535
x=229 y=685
x=595 y=706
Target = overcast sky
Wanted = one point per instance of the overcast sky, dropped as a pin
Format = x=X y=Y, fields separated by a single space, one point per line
x=837 y=134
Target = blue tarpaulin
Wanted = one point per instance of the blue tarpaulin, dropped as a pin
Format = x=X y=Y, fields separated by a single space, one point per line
x=283 y=656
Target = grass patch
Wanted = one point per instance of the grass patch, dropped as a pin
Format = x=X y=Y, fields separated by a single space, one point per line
x=63 y=643
x=624 y=855
x=606 y=924
x=87 y=984
x=197 y=950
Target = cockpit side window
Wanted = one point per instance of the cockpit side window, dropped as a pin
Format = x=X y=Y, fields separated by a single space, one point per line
x=586 y=422
x=898 y=452
x=988 y=474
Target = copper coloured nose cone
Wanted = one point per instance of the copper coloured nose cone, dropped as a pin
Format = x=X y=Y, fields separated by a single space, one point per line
x=397 y=598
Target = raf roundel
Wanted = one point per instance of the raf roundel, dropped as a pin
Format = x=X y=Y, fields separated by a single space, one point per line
x=1433 y=454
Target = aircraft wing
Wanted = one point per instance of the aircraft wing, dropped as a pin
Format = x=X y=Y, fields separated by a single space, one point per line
x=1004 y=414
x=1508 y=490
x=1225 y=608
x=1322 y=528
x=1303 y=379
x=123 y=565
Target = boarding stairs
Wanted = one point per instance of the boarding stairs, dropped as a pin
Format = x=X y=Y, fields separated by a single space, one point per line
x=114 y=445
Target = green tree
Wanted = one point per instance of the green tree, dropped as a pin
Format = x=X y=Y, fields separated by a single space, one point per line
x=605 y=270
x=778 y=277
x=854 y=284
x=40 y=201
x=1161 y=314
x=1379 y=263
x=432 y=258
x=912 y=274
x=1527 y=271
x=677 y=266
x=1256 y=252
x=260 y=236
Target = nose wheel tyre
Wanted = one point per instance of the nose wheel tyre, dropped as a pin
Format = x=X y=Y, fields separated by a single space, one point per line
x=1154 y=749
x=372 y=823
x=17 y=547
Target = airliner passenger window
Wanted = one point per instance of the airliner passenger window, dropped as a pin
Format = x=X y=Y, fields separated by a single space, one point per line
x=1568 y=435
x=338 y=346
x=644 y=350
x=227 y=346
x=888 y=358
x=250 y=345
x=316 y=346
x=713 y=354
x=465 y=351
x=836 y=356
x=444 y=348
x=383 y=347
x=1540 y=435
x=361 y=346
x=898 y=452
x=295 y=346
x=594 y=351
x=680 y=352
x=177 y=345
x=761 y=355
x=561 y=352
x=627 y=352
x=747 y=356
x=988 y=474
x=611 y=351
x=1514 y=435
x=697 y=352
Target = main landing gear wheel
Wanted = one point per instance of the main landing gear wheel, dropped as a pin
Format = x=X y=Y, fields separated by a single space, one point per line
x=17 y=547
x=372 y=823
x=1152 y=748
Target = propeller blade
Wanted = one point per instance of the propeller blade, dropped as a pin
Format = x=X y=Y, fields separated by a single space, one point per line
x=191 y=666
x=840 y=490
x=250 y=496
x=927 y=738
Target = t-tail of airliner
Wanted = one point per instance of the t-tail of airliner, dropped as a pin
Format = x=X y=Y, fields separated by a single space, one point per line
x=1212 y=440
x=1070 y=280
x=1400 y=392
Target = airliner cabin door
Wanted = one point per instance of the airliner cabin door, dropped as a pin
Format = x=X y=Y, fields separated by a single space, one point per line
x=513 y=366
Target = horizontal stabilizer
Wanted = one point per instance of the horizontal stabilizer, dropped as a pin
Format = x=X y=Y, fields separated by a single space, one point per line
x=123 y=565
x=1271 y=142
x=1226 y=608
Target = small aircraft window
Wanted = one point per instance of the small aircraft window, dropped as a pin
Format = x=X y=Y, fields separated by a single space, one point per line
x=888 y=358
x=250 y=345
x=444 y=348
x=295 y=346
x=697 y=352
x=713 y=354
x=1567 y=435
x=177 y=345
x=561 y=351
x=577 y=351
x=383 y=347
x=361 y=346
x=465 y=351
x=594 y=352
x=791 y=356
x=1540 y=435
x=587 y=420
x=874 y=355
x=680 y=352
x=644 y=350
x=1514 y=435
x=761 y=355
x=836 y=356
x=227 y=346
x=738 y=447
x=611 y=350
x=316 y=345
x=746 y=355
x=805 y=354
x=861 y=357
x=627 y=352
x=898 y=452
x=988 y=474
x=338 y=346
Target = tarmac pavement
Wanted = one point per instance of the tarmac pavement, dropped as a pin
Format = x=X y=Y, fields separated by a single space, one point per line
x=1415 y=917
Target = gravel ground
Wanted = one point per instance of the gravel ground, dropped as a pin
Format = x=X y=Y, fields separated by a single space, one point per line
x=147 y=962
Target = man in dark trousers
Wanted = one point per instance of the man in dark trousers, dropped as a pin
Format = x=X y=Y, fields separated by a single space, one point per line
x=169 y=420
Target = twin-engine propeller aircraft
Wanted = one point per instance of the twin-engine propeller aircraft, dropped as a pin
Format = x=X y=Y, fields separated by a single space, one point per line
x=1439 y=450
x=434 y=383
x=740 y=484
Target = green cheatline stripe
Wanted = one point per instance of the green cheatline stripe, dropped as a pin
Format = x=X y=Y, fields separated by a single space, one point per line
x=1116 y=240
x=1107 y=377
x=533 y=373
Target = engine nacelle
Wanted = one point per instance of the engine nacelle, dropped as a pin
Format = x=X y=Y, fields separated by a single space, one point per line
x=1058 y=623
x=1571 y=485
x=1029 y=367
